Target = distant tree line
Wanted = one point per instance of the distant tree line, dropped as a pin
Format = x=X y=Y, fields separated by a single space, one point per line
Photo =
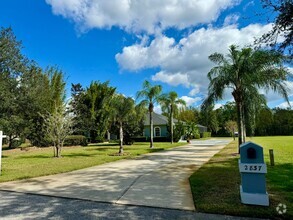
x=222 y=121
x=267 y=122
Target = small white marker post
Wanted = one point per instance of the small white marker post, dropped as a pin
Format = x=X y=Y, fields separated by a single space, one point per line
x=1 y=138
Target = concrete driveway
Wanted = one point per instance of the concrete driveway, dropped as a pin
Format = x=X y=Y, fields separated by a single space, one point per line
x=157 y=179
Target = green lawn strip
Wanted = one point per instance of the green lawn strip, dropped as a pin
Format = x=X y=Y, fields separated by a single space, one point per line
x=17 y=164
x=215 y=186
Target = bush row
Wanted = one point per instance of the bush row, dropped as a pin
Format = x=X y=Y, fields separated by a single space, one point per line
x=74 y=140
x=206 y=134
x=156 y=139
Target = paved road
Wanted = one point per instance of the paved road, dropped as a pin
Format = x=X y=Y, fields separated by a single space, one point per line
x=19 y=206
x=155 y=180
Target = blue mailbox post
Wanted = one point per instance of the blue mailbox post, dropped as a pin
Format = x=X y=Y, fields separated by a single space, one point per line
x=253 y=169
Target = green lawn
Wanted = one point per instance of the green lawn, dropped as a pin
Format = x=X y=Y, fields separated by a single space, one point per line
x=17 y=164
x=215 y=186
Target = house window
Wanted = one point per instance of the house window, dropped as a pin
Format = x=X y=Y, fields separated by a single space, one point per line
x=157 y=132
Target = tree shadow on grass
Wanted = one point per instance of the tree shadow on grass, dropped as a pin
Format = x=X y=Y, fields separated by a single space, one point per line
x=16 y=205
x=101 y=149
x=62 y=156
x=155 y=150
x=102 y=145
x=215 y=189
x=34 y=156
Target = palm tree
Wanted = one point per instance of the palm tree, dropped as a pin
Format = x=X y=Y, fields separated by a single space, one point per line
x=150 y=95
x=245 y=71
x=122 y=108
x=170 y=103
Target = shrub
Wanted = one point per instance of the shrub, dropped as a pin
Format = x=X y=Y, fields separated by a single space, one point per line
x=74 y=140
x=192 y=130
x=156 y=139
x=206 y=134
x=179 y=131
x=15 y=143
x=197 y=136
x=128 y=141
x=140 y=139
x=98 y=140
x=162 y=139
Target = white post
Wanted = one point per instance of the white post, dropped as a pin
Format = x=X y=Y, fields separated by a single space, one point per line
x=1 y=137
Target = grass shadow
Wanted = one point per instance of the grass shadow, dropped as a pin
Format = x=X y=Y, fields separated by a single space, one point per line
x=78 y=155
x=8 y=149
x=100 y=149
x=215 y=188
x=34 y=156
x=102 y=145
x=155 y=150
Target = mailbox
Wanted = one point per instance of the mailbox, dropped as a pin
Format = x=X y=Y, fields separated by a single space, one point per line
x=253 y=169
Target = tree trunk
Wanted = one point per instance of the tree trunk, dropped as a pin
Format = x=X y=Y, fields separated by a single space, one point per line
x=172 y=133
x=58 y=149
x=54 y=150
x=244 y=132
x=10 y=142
x=151 y=130
x=240 y=124
x=121 y=138
x=244 y=125
x=108 y=136
x=233 y=134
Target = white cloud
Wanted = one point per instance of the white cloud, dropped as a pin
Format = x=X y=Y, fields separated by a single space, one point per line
x=231 y=19
x=272 y=96
x=157 y=109
x=140 y=56
x=285 y=105
x=173 y=79
x=290 y=70
x=186 y=62
x=249 y=4
x=140 y=15
x=194 y=91
x=190 y=100
x=218 y=105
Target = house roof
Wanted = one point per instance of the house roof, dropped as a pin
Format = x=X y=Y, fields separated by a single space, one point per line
x=201 y=126
x=157 y=119
x=162 y=120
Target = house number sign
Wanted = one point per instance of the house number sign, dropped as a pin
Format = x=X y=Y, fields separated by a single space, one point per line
x=252 y=168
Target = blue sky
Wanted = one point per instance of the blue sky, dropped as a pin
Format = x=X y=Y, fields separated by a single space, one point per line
x=126 y=42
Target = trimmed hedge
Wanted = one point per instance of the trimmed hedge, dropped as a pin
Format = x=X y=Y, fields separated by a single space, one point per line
x=15 y=143
x=197 y=136
x=74 y=140
x=206 y=134
x=156 y=139
x=140 y=139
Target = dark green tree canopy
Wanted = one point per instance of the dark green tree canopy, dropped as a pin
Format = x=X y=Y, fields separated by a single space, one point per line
x=26 y=91
x=282 y=27
x=92 y=109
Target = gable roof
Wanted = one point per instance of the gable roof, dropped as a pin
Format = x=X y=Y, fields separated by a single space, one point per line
x=157 y=119
x=163 y=120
